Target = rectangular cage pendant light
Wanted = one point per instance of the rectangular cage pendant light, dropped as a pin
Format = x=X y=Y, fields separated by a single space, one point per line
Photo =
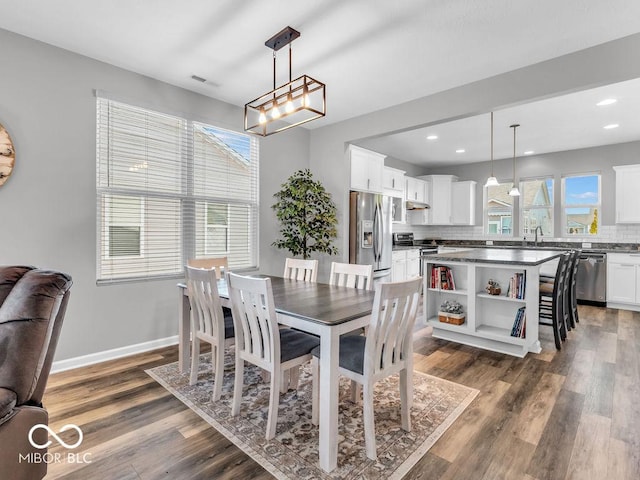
x=294 y=103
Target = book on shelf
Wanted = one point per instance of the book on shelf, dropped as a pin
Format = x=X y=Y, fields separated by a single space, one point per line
x=517 y=285
x=519 y=324
x=442 y=278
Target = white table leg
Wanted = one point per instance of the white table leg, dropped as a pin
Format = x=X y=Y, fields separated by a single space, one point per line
x=329 y=382
x=184 y=331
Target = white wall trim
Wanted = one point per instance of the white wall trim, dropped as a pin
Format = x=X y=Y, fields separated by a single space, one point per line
x=85 y=360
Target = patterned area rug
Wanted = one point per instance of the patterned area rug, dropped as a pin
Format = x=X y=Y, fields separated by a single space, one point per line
x=293 y=453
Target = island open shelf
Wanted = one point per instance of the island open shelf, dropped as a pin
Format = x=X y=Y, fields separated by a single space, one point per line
x=506 y=323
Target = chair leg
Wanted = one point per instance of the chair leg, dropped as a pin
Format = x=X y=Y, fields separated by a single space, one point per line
x=315 y=390
x=274 y=401
x=405 y=396
x=356 y=392
x=369 y=425
x=237 y=386
x=195 y=360
x=218 y=371
x=294 y=376
x=284 y=381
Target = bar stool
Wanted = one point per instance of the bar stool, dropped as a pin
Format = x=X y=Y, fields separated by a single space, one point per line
x=553 y=302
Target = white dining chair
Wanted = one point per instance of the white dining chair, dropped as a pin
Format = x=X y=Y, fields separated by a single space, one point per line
x=208 y=323
x=351 y=275
x=221 y=264
x=297 y=269
x=260 y=341
x=386 y=350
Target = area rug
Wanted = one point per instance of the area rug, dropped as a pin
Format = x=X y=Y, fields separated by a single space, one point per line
x=293 y=453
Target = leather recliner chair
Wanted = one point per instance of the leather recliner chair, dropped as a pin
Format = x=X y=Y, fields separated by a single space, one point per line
x=32 y=307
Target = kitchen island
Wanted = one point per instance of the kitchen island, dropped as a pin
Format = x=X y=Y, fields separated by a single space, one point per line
x=505 y=322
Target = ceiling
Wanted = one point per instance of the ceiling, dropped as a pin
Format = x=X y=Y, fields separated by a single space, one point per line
x=372 y=54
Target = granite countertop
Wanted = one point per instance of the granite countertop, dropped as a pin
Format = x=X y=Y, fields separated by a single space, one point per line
x=499 y=244
x=510 y=256
x=405 y=247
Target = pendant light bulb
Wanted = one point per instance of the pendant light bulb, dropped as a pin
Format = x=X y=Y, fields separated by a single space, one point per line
x=514 y=192
x=275 y=112
x=262 y=119
x=492 y=181
x=288 y=107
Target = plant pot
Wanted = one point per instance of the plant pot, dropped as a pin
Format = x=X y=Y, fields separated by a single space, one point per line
x=452 y=318
x=494 y=290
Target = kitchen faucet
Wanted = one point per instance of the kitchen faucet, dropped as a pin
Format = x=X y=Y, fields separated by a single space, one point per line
x=536 y=233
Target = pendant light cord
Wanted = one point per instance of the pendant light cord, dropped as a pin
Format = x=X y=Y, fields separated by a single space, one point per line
x=492 y=145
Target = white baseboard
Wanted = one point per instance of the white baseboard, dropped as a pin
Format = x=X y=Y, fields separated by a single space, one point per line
x=83 y=361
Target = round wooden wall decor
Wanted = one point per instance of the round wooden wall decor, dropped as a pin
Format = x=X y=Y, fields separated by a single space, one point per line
x=7 y=155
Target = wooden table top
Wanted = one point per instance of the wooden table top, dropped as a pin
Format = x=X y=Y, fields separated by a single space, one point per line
x=316 y=302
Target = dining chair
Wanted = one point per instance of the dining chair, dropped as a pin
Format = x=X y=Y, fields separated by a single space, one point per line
x=259 y=340
x=208 y=323
x=297 y=269
x=387 y=349
x=351 y=275
x=221 y=264
x=553 y=309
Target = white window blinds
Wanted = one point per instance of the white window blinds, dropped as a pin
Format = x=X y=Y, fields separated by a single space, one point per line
x=170 y=189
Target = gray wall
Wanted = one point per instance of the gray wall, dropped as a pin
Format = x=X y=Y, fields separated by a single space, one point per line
x=599 y=65
x=557 y=164
x=47 y=104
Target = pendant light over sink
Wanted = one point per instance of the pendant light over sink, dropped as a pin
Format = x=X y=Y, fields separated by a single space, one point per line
x=492 y=181
x=514 y=192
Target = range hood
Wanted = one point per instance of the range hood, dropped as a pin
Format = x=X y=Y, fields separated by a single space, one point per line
x=417 y=206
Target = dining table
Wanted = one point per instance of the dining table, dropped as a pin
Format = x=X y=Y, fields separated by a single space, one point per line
x=327 y=311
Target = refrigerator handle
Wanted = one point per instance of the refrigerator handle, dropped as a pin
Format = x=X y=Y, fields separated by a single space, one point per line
x=380 y=232
x=376 y=223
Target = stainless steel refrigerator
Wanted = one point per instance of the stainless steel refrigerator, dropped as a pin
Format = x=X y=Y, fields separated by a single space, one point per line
x=370 y=232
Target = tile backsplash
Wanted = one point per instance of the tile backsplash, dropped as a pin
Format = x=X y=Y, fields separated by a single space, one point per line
x=608 y=233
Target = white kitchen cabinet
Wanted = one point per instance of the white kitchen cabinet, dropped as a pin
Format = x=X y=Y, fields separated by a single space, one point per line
x=627 y=181
x=393 y=182
x=413 y=263
x=440 y=197
x=398 y=265
x=366 y=170
x=623 y=280
x=416 y=190
x=463 y=203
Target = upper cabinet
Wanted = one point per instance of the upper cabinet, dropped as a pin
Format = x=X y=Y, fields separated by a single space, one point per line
x=463 y=203
x=451 y=202
x=440 y=198
x=393 y=182
x=416 y=190
x=366 y=170
x=627 y=181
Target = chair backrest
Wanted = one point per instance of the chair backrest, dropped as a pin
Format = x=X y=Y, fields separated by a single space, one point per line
x=389 y=339
x=351 y=275
x=206 y=310
x=221 y=264
x=560 y=285
x=31 y=315
x=254 y=319
x=297 y=269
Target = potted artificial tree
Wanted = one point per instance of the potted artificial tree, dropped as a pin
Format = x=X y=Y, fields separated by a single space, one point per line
x=307 y=216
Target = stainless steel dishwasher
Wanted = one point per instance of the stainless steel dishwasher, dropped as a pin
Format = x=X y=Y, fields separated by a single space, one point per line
x=591 y=282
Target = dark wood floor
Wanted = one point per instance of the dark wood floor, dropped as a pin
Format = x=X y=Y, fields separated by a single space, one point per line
x=573 y=414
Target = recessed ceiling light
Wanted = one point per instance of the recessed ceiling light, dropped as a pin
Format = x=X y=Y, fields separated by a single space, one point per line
x=606 y=101
x=610 y=126
x=460 y=150
x=529 y=152
x=432 y=137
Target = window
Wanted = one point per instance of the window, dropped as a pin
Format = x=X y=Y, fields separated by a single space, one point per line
x=536 y=204
x=170 y=189
x=581 y=204
x=498 y=210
